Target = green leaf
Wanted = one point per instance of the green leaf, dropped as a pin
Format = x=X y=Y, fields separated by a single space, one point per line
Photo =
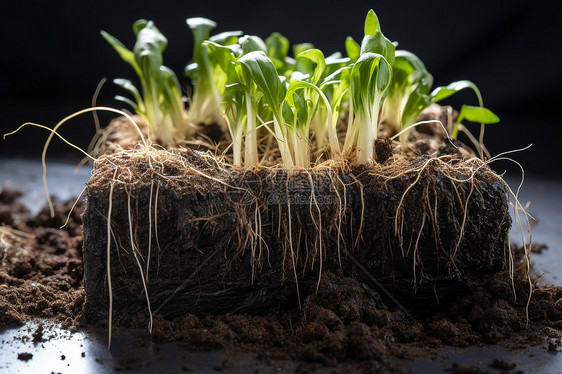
x=372 y=24
x=277 y=46
x=226 y=38
x=477 y=114
x=441 y=93
x=262 y=71
x=149 y=47
x=408 y=94
x=129 y=102
x=352 y=48
x=127 y=55
x=251 y=43
x=222 y=56
x=201 y=28
x=317 y=57
x=287 y=112
x=302 y=109
x=370 y=78
x=139 y=25
x=378 y=43
x=128 y=85
x=298 y=48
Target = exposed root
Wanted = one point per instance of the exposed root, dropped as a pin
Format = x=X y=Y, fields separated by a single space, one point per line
x=108 y=264
x=301 y=229
x=135 y=250
x=54 y=132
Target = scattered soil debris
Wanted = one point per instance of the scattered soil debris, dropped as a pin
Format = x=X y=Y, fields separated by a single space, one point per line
x=25 y=356
x=38 y=333
x=502 y=364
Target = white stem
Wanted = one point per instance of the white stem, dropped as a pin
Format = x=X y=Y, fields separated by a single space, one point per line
x=282 y=143
x=365 y=140
x=251 y=144
x=237 y=147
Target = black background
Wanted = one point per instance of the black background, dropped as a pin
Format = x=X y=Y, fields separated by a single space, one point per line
x=53 y=58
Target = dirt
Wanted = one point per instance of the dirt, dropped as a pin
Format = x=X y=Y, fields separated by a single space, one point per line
x=42 y=267
x=241 y=236
x=25 y=356
x=345 y=322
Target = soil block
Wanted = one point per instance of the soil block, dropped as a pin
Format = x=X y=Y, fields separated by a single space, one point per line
x=210 y=240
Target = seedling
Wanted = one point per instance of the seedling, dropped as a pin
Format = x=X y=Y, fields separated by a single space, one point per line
x=273 y=103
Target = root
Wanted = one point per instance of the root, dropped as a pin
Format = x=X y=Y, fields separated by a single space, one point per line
x=135 y=251
x=149 y=231
x=108 y=264
x=183 y=170
x=72 y=208
x=54 y=132
x=293 y=260
x=463 y=225
x=156 y=225
x=318 y=227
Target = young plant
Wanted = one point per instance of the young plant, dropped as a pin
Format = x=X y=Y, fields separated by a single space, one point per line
x=408 y=93
x=474 y=114
x=208 y=79
x=370 y=80
x=161 y=103
x=260 y=69
x=320 y=89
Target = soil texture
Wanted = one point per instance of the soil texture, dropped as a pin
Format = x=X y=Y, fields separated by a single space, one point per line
x=346 y=324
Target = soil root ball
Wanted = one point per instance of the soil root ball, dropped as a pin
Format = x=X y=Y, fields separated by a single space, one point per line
x=212 y=240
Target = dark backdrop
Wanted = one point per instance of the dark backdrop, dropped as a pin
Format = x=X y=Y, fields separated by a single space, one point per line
x=54 y=57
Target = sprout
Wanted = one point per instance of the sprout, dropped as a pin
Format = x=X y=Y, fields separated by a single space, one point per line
x=474 y=114
x=160 y=103
x=208 y=79
x=408 y=94
x=370 y=80
x=260 y=69
x=251 y=85
x=482 y=115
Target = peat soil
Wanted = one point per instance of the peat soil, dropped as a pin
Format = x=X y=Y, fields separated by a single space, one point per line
x=344 y=326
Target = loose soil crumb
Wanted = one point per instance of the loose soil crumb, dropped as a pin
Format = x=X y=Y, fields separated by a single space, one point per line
x=344 y=323
x=38 y=334
x=502 y=364
x=41 y=270
x=25 y=356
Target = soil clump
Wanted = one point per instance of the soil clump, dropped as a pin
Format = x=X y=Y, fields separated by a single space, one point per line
x=346 y=324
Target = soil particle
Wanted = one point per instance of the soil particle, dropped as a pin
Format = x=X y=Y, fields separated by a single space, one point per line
x=502 y=364
x=225 y=364
x=383 y=149
x=25 y=356
x=38 y=333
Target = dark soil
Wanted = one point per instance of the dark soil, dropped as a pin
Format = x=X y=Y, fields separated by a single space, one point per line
x=258 y=240
x=42 y=266
x=345 y=322
x=25 y=356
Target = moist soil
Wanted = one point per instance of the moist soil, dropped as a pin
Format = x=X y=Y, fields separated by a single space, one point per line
x=344 y=325
x=212 y=241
